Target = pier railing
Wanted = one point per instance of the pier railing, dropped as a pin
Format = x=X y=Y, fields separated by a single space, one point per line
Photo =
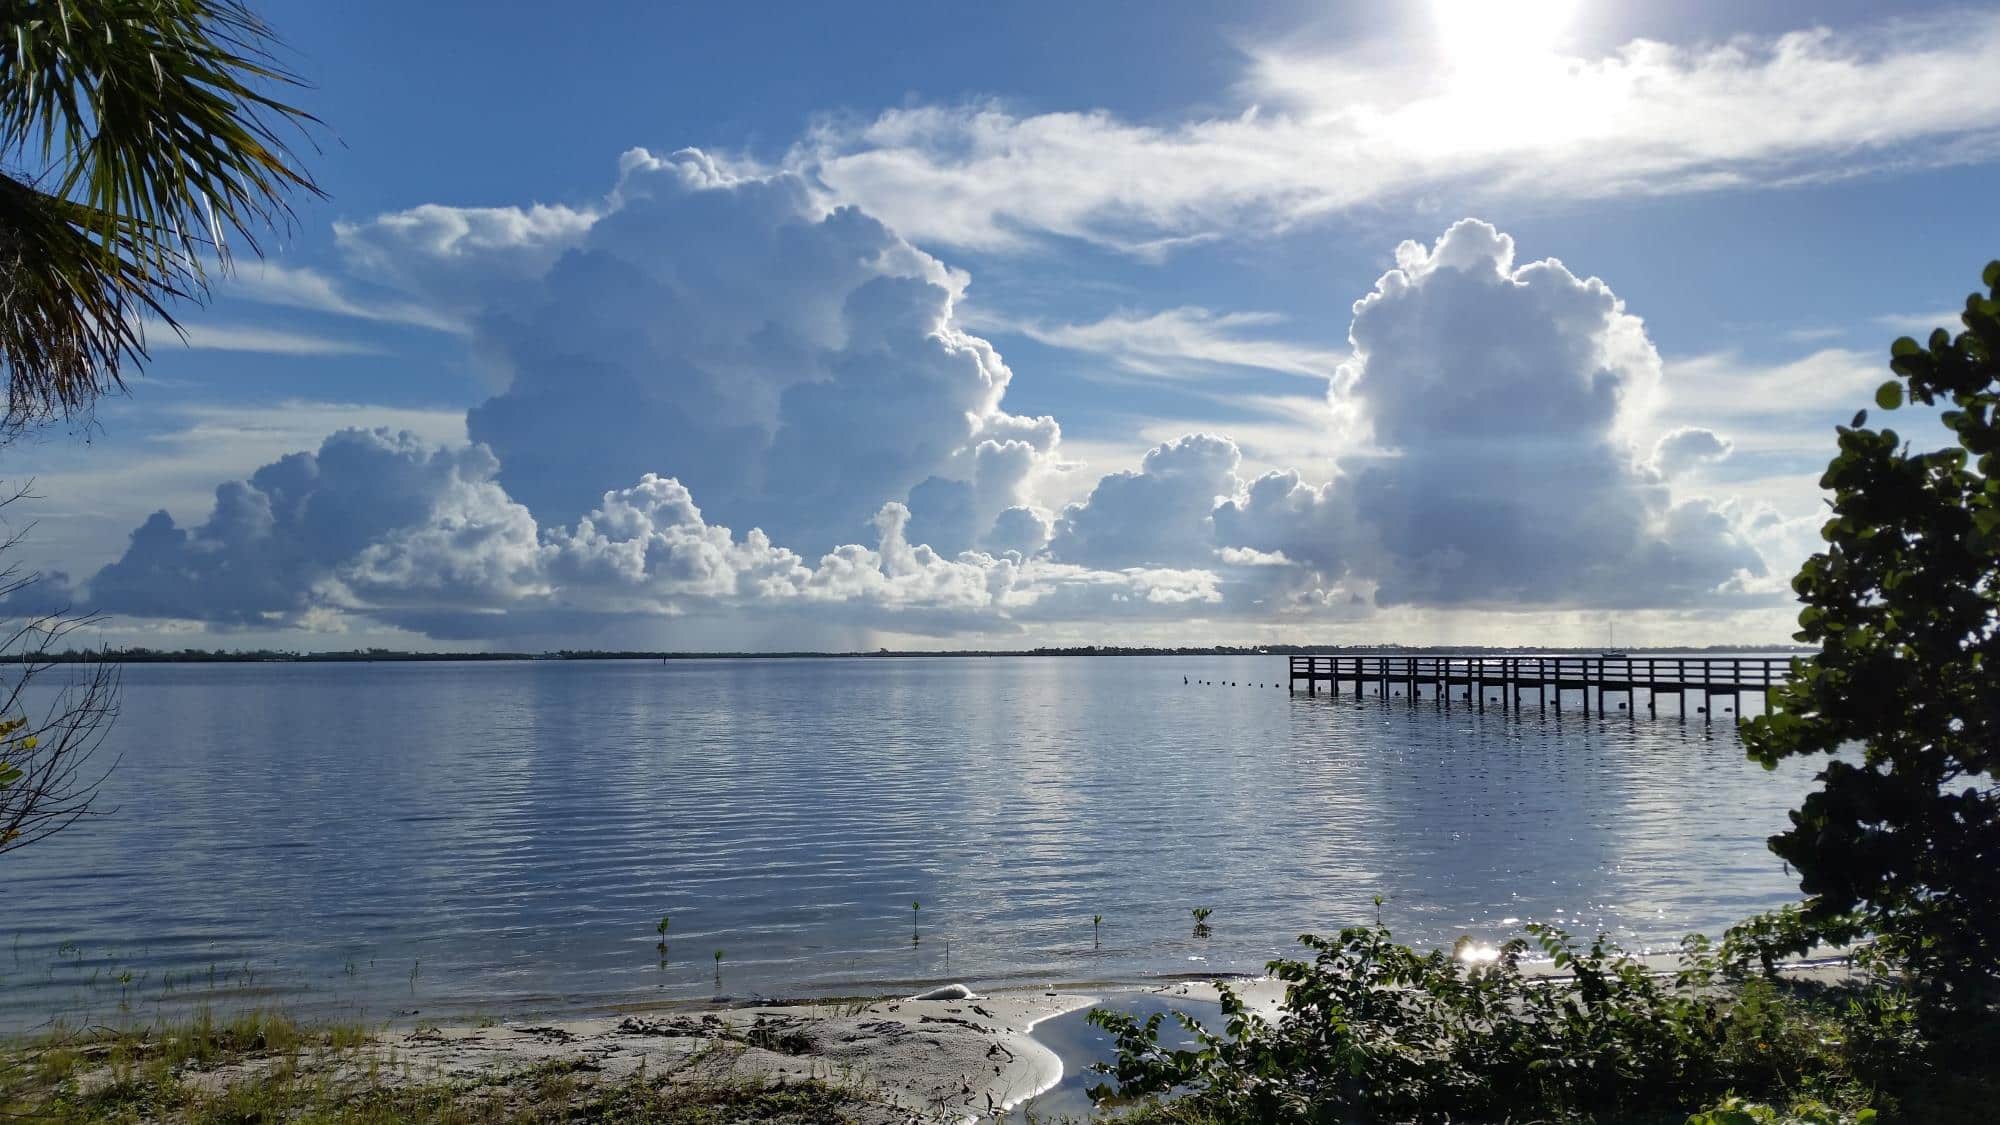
x=1472 y=678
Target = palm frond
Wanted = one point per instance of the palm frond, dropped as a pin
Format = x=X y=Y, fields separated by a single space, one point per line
x=155 y=137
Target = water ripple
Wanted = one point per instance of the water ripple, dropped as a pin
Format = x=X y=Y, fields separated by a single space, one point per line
x=393 y=837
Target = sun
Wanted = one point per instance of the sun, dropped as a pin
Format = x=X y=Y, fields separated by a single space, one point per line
x=1487 y=34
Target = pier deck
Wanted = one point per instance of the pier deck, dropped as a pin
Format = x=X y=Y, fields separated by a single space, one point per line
x=1472 y=679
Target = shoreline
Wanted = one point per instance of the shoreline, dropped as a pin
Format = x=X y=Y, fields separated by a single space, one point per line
x=950 y=1053
x=457 y=1010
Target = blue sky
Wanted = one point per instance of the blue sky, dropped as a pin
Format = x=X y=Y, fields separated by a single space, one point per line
x=1038 y=323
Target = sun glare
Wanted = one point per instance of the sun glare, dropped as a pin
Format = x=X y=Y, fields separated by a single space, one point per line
x=1483 y=34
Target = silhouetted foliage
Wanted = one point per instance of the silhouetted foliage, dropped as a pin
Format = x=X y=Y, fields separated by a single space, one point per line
x=53 y=717
x=1901 y=840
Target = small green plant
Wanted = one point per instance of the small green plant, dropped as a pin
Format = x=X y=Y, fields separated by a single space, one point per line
x=661 y=929
x=718 y=967
x=915 y=909
x=1736 y=1111
x=1096 y=921
x=1201 y=914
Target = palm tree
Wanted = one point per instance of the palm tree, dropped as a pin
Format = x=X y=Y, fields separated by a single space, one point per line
x=137 y=137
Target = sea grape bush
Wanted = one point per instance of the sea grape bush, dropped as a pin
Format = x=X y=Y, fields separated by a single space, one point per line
x=1901 y=840
x=1375 y=1031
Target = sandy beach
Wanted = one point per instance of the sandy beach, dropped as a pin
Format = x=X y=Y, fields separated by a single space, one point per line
x=920 y=1059
x=948 y=1054
x=951 y=1054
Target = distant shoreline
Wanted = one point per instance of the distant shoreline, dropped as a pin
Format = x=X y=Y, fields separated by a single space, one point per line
x=362 y=656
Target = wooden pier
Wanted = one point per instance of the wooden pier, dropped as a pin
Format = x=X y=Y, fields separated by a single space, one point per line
x=1471 y=679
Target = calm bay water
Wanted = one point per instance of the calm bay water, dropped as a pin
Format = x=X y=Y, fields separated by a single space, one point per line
x=443 y=839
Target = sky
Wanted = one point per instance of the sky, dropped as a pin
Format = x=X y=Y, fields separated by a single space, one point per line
x=938 y=326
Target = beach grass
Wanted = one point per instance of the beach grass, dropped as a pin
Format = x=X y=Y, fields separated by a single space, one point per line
x=262 y=1066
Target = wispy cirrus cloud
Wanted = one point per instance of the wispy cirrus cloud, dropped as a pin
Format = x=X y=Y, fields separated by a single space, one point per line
x=1771 y=407
x=1921 y=325
x=297 y=287
x=252 y=431
x=1178 y=342
x=1322 y=132
x=199 y=336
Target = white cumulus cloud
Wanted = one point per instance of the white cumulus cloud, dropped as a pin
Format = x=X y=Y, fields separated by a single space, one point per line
x=716 y=351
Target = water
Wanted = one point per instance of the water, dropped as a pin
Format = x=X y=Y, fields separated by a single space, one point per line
x=447 y=839
x=1083 y=1047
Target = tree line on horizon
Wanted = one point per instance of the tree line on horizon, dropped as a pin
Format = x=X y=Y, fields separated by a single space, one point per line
x=144 y=655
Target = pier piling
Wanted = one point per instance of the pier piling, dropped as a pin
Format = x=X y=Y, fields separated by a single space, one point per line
x=1594 y=677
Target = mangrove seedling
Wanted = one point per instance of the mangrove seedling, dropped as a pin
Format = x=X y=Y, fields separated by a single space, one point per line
x=718 y=966
x=915 y=908
x=1096 y=920
x=662 y=928
x=1201 y=914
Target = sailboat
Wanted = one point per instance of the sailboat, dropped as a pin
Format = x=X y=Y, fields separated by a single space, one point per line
x=1611 y=644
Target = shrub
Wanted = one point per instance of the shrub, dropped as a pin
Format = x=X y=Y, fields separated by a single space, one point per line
x=1901 y=840
x=1373 y=1030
